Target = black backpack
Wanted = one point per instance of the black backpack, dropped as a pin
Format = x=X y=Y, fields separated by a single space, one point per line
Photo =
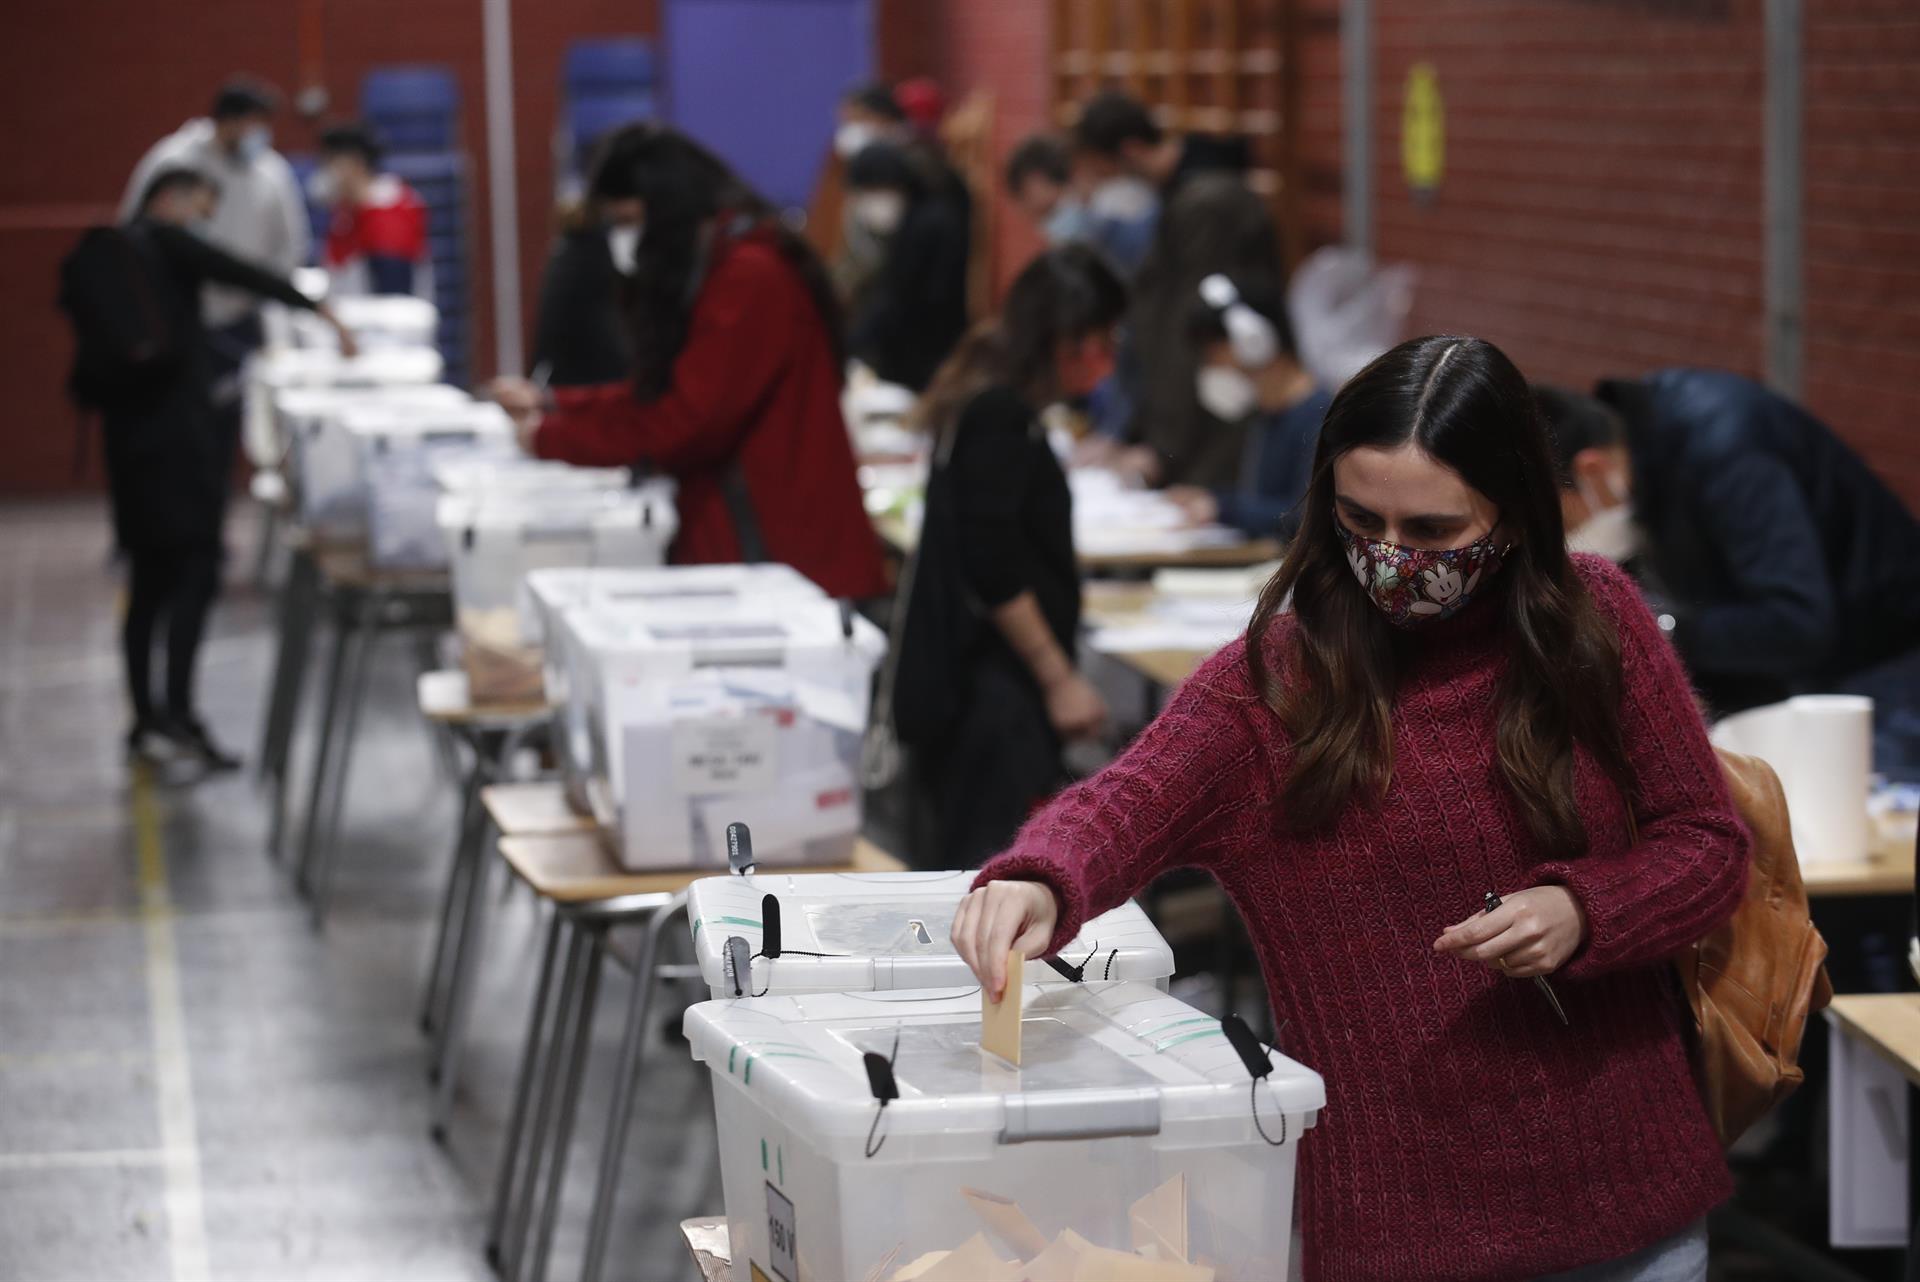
x=126 y=345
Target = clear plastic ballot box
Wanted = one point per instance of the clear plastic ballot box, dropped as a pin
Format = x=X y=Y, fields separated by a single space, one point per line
x=320 y=457
x=552 y=593
x=1132 y=1142
x=272 y=372
x=700 y=714
x=495 y=537
x=878 y=932
x=396 y=449
x=376 y=321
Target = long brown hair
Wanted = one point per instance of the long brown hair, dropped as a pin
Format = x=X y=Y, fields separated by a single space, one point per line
x=1461 y=402
x=1066 y=293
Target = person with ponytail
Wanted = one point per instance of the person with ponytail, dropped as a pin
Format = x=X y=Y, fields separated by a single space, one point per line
x=738 y=356
x=986 y=691
x=1448 y=760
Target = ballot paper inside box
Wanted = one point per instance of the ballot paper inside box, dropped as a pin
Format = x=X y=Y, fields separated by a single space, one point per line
x=573 y=657
x=869 y=932
x=496 y=539
x=694 y=722
x=1126 y=1146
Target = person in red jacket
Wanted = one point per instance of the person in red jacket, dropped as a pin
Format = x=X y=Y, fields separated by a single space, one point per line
x=1460 y=761
x=377 y=242
x=738 y=359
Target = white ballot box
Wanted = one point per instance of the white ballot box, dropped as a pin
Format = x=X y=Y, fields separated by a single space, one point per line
x=553 y=593
x=698 y=715
x=1133 y=1141
x=882 y=931
x=322 y=460
x=495 y=537
x=396 y=448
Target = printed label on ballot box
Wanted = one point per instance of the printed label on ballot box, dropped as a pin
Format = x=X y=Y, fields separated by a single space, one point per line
x=722 y=755
x=780 y=1238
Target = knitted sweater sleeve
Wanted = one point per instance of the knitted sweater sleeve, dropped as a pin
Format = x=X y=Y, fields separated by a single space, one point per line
x=1687 y=871
x=1169 y=801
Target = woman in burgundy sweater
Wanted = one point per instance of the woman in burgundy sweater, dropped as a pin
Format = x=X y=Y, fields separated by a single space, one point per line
x=738 y=357
x=1452 y=706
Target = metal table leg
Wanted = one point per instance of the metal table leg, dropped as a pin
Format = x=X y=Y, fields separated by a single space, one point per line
x=522 y=1094
x=521 y=1214
x=596 y=933
x=343 y=639
x=371 y=608
x=465 y=853
x=460 y=989
x=293 y=624
x=632 y=1044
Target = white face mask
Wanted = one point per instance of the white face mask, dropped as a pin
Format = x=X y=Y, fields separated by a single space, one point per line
x=880 y=212
x=1608 y=531
x=854 y=137
x=623 y=243
x=254 y=143
x=1125 y=200
x=1226 y=392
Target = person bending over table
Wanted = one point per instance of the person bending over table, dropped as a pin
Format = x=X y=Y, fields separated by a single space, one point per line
x=738 y=356
x=1463 y=760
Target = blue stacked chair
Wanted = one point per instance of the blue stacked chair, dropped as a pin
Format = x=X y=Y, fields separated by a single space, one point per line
x=416 y=110
x=605 y=83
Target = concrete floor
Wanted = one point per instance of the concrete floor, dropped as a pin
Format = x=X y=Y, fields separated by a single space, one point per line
x=194 y=1085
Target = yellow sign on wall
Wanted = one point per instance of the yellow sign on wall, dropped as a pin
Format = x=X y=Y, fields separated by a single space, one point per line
x=1423 y=129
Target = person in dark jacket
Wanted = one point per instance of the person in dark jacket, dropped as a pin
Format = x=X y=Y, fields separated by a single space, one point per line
x=1784 y=563
x=167 y=466
x=1117 y=130
x=915 y=309
x=579 y=337
x=1250 y=373
x=996 y=558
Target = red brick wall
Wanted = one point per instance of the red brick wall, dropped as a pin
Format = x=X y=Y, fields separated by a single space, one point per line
x=1863 y=228
x=91 y=83
x=1003 y=46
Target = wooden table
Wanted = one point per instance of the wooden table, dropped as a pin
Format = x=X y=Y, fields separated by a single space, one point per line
x=446 y=698
x=533 y=810
x=1888 y=1024
x=901 y=538
x=577 y=868
x=1107 y=604
x=1886 y=870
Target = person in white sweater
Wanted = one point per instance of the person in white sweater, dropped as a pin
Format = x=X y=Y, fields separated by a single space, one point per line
x=261 y=218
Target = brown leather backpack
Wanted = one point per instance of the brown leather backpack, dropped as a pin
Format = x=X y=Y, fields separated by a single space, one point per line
x=1754 y=982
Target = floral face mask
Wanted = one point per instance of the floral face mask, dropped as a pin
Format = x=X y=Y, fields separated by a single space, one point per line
x=1413 y=585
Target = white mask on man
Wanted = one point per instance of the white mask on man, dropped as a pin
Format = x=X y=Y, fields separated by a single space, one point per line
x=1123 y=199
x=880 y=212
x=623 y=243
x=1226 y=391
x=253 y=144
x=854 y=137
x=1609 y=529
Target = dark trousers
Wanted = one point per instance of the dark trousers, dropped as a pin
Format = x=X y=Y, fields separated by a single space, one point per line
x=1000 y=764
x=177 y=585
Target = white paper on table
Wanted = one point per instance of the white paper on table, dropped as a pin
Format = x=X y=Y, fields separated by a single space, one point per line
x=1150 y=637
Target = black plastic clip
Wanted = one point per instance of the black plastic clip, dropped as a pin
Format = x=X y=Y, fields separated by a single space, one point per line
x=770 y=926
x=1259 y=1064
x=885 y=1089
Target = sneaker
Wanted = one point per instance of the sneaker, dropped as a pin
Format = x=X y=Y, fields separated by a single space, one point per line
x=191 y=737
x=148 y=742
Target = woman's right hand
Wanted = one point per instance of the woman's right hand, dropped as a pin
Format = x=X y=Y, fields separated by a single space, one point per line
x=1075 y=708
x=998 y=918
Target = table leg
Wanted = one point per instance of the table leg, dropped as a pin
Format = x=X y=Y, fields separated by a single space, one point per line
x=522 y=1095
x=343 y=639
x=292 y=621
x=466 y=967
x=632 y=1045
x=371 y=608
x=544 y=1092
x=465 y=852
x=570 y=1100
